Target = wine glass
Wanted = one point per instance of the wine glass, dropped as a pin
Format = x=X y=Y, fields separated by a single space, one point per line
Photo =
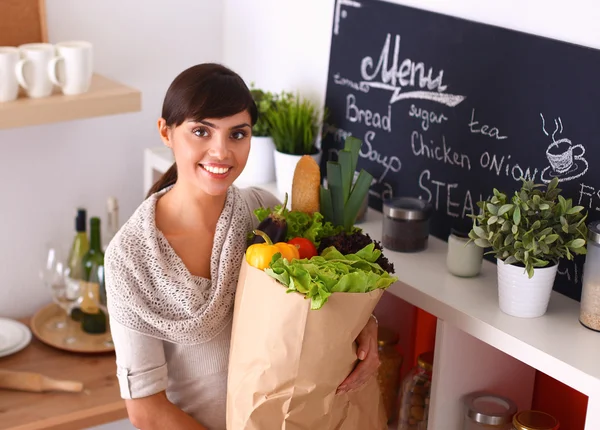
x=64 y=290
x=48 y=275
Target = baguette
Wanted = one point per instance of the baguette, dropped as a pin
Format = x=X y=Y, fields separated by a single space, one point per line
x=306 y=186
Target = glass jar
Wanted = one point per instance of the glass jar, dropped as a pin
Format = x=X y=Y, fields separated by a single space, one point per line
x=534 y=420
x=589 y=309
x=423 y=424
x=406 y=224
x=486 y=411
x=464 y=259
x=416 y=388
x=388 y=375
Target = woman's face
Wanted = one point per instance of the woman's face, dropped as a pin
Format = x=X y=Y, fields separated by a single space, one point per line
x=210 y=154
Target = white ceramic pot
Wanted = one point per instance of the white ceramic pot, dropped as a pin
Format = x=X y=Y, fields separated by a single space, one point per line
x=520 y=296
x=260 y=167
x=285 y=165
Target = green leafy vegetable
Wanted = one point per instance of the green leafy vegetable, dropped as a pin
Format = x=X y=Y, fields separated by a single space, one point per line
x=263 y=213
x=300 y=224
x=342 y=199
x=331 y=272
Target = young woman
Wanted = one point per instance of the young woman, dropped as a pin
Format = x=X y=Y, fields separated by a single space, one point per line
x=172 y=269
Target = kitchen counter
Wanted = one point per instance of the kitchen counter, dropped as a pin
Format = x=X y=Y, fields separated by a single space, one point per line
x=99 y=403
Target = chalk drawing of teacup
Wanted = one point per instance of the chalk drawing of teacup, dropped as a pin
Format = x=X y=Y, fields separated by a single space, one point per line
x=560 y=155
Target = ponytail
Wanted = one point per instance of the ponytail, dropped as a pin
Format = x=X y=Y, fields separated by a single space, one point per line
x=166 y=180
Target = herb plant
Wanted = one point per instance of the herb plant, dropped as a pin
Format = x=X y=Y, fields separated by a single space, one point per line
x=294 y=123
x=536 y=227
x=265 y=102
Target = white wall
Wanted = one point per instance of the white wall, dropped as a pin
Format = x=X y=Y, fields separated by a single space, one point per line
x=279 y=44
x=47 y=171
x=283 y=44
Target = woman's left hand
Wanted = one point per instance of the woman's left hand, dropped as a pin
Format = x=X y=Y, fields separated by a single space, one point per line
x=368 y=355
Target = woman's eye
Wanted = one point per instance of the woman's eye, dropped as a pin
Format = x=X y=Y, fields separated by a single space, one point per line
x=238 y=135
x=200 y=132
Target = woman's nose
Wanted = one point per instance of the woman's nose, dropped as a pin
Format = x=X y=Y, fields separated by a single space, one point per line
x=218 y=146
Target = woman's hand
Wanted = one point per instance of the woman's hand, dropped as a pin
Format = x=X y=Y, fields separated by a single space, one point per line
x=368 y=355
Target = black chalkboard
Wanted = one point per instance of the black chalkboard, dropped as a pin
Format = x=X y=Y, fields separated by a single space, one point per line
x=448 y=109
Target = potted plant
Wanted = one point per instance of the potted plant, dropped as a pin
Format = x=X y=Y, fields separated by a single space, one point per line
x=294 y=123
x=529 y=234
x=260 y=167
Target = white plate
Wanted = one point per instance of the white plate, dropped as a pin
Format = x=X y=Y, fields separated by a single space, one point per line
x=14 y=336
x=10 y=334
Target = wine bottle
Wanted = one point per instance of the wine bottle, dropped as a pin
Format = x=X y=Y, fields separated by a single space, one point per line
x=79 y=247
x=97 y=277
x=94 y=256
x=112 y=218
x=93 y=314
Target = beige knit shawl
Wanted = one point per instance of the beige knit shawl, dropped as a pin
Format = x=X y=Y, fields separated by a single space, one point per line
x=150 y=290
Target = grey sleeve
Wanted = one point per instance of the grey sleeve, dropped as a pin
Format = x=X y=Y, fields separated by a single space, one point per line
x=141 y=364
x=257 y=197
x=265 y=198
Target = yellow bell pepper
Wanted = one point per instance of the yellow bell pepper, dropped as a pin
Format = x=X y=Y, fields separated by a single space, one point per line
x=260 y=255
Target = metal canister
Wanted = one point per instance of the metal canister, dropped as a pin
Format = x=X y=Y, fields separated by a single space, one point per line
x=589 y=309
x=406 y=224
x=534 y=420
x=487 y=411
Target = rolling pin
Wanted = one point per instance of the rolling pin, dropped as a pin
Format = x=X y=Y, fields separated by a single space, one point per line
x=35 y=382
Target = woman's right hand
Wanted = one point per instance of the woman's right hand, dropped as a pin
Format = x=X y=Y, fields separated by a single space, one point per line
x=157 y=412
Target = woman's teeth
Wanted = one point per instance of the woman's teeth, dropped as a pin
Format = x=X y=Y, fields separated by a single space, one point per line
x=216 y=170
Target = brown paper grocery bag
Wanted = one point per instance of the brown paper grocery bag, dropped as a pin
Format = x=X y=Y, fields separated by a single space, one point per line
x=286 y=360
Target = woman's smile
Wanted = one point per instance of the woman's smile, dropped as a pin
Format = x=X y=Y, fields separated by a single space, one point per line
x=218 y=171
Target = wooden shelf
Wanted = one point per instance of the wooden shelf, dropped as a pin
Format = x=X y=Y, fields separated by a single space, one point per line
x=105 y=97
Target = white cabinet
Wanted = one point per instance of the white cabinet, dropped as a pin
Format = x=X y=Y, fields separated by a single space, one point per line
x=156 y=162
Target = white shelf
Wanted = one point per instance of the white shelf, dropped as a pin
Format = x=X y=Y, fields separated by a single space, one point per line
x=471 y=322
x=556 y=343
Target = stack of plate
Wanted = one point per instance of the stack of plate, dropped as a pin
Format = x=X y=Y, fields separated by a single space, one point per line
x=14 y=336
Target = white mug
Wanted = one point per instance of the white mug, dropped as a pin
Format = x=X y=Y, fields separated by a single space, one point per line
x=9 y=87
x=72 y=68
x=32 y=69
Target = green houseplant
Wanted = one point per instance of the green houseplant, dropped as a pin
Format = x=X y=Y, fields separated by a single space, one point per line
x=265 y=102
x=294 y=123
x=529 y=233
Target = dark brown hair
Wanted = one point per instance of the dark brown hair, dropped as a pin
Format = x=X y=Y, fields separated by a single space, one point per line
x=203 y=91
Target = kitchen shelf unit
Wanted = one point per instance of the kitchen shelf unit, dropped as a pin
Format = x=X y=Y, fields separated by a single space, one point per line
x=105 y=97
x=478 y=346
x=156 y=162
